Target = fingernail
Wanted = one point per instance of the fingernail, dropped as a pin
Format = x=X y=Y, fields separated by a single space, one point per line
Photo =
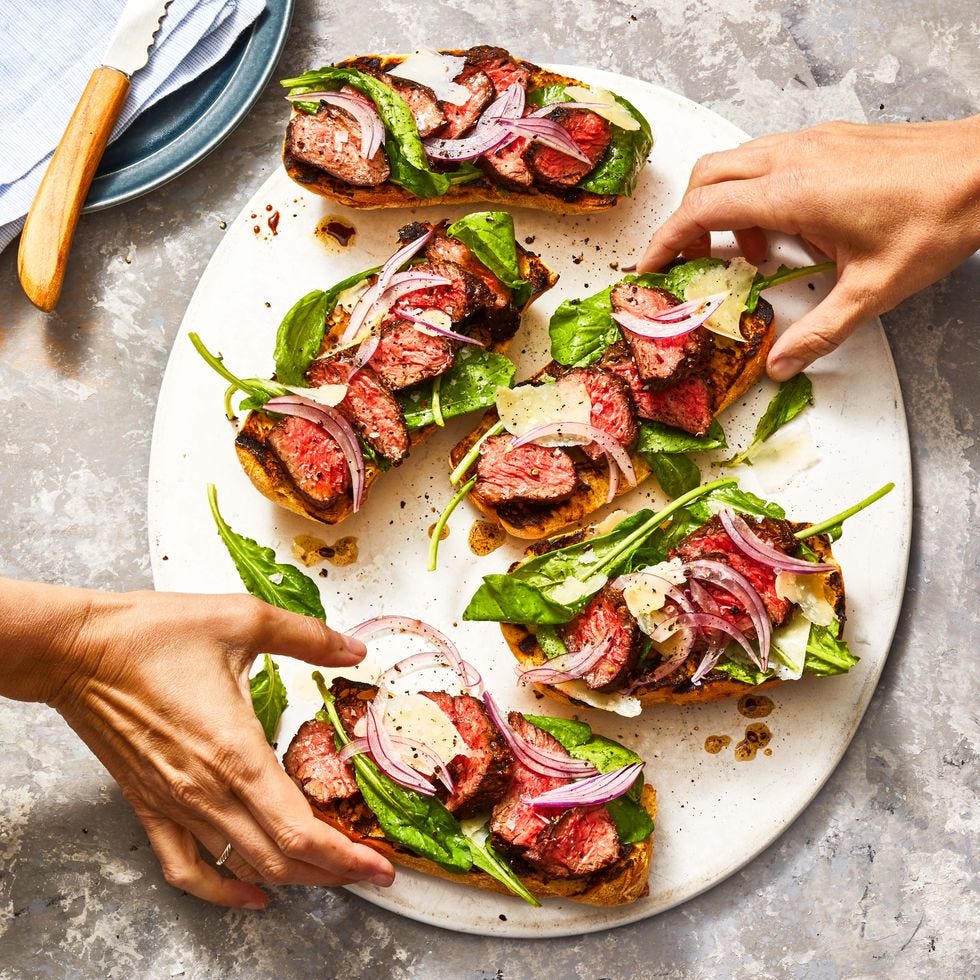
x=382 y=879
x=255 y=906
x=784 y=368
x=355 y=647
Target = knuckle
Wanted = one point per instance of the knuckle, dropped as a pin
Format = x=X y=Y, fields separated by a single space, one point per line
x=702 y=169
x=186 y=792
x=176 y=875
x=696 y=201
x=293 y=841
x=275 y=871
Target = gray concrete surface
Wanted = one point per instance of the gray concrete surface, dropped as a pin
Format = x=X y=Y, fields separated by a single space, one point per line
x=876 y=878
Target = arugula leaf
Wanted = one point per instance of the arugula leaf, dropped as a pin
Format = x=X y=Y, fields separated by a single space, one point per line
x=782 y=274
x=738 y=499
x=259 y=389
x=280 y=585
x=269 y=698
x=420 y=823
x=488 y=859
x=833 y=526
x=655 y=437
x=407 y=159
x=633 y=823
x=471 y=383
x=742 y=672
x=791 y=398
x=675 y=472
x=490 y=236
x=825 y=653
x=300 y=334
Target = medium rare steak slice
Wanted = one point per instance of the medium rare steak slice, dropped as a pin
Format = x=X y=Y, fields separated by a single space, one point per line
x=507 y=167
x=481 y=777
x=711 y=541
x=330 y=140
x=313 y=461
x=606 y=620
x=612 y=409
x=663 y=360
x=619 y=361
x=315 y=766
x=405 y=356
x=581 y=841
x=444 y=248
x=462 y=118
x=555 y=169
x=687 y=404
x=536 y=474
x=464 y=295
x=370 y=406
x=422 y=102
x=499 y=66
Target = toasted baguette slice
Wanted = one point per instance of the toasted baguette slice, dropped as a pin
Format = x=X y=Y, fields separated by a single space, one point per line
x=390 y=195
x=731 y=372
x=619 y=884
x=268 y=475
x=715 y=686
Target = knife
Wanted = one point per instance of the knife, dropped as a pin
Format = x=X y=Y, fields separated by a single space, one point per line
x=50 y=225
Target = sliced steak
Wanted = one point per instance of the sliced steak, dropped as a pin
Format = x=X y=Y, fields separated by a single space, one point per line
x=507 y=166
x=464 y=295
x=514 y=826
x=612 y=409
x=405 y=356
x=554 y=169
x=536 y=474
x=580 y=842
x=370 y=406
x=422 y=102
x=499 y=66
x=619 y=361
x=606 y=619
x=687 y=404
x=315 y=766
x=711 y=541
x=313 y=460
x=460 y=119
x=663 y=360
x=330 y=140
x=481 y=777
x=444 y=248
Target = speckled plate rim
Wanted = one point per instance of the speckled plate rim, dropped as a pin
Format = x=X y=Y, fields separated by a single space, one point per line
x=253 y=70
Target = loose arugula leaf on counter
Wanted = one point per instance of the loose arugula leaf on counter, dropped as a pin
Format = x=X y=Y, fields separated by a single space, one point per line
x=269 y=698
x=471 y=383
x=791 y=398
x=490 y=236
x=783 y=274
x=409 y=164
x=278 y=584
x=300 y=334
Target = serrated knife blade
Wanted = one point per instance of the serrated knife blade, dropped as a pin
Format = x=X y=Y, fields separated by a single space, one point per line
x=129 y=49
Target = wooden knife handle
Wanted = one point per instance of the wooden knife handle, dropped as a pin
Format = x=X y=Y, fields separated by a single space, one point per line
x=50 y=226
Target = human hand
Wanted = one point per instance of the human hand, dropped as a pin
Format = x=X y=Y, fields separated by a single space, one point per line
x=158 y=690
x=896 y=206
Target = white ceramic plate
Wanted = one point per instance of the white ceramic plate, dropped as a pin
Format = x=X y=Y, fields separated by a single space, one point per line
x=715 y=813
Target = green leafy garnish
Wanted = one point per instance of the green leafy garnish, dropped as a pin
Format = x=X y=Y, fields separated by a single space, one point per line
x=258 y=389
x=783 y=274
x=551 y=644
x=269 y=698
x=436 y=535
x=582 y=329
x=832 y=525
x=490 y=236
x=825 y=653
x=407 y=159
x=470 y=384
x=664 y=449
x=278 y=584
x=791 y=398
x=300 y=334
x=675 y=472
x=489 y=860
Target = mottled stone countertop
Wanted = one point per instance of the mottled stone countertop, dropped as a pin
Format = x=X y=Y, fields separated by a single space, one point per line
x=878 y=875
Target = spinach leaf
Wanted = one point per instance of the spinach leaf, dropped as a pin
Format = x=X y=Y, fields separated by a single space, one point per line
x=825 y=653
x=582 y=329
x=742 y=672
x=633 y=823
x=655 y=437
x=280 y=585
x=486 y=857
x=406 y=156
x=269 y=698
x=471 y=383
x=791 y=398
x=420 y=823
x=552 y=645
x=675 y=472
x=489 y=235
x=566 y=731
x=300 y=334
x=781 y=275
x=678 y=277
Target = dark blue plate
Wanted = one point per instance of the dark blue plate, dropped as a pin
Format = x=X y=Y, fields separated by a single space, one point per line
x=183 y=128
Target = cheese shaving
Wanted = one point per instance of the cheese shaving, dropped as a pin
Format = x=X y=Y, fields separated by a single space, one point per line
x=605 y=106
x=419 y=718
x=735 y=279
x=620 y=704
x=436 y=71
x=329 y=395
x=527 y=406
x=809 y=593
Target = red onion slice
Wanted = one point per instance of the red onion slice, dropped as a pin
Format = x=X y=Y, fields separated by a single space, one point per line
x=364 y=353
x=540 y=760
x=567 y=667
x=659 y=327
x=336 y=426
x=356 y=746
x=375 y=303
x=361 y=746
x=487 y=135
x=606 y=442
x=708 y=662
x=547 y=132
x=360 y=108
x=435 y=328
x=752 y=545
x=593 y=791
x=388 y=759
x=708 y=621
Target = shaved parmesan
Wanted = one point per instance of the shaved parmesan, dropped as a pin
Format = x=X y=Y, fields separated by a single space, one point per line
x=605 y=105
x=438 y=318
x=347 y=299
x=329 y=395
x=527 y=406
x=780 y=460
x=419 y=718
x=612 y=520
x=621 y=704
x=437 y=71
x=645 y=594
x=571 y=589
x=809 y=593
x=789 y=648
x=736 y=280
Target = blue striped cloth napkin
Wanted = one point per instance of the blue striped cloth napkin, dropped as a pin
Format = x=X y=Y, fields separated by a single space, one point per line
x=47 y=52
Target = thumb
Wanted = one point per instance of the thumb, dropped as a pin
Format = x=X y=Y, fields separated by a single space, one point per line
x=823 y=328
x=304 y=637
